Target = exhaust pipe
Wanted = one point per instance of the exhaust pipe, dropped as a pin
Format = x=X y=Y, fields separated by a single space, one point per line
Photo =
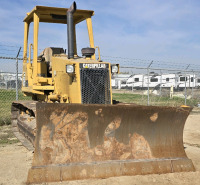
x=70 y=30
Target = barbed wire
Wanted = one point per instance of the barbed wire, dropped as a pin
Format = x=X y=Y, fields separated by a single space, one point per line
x=126 y=58
x=5 y=45
x=144 y=61
x=123 y=61
x=157 y=65
x=10 y=58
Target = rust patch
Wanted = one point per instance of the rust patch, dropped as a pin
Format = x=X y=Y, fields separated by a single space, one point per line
x=77 y=133
x=60 y=141
x=98 y=151
x=53 y=150
x=83 y=173
x=140 y=148
x=67 y=141
x=154 y=117
x=98 y=112
x=108 y=146
x=115 y=124
x=125 y=155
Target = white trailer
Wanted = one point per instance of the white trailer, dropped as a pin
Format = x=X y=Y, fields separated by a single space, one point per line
x=198 y=82
x=139 y=81
x=113 y=82
x=119 y=80
x=186 y=80
x=135 y=81
x=153 y=80
x=168 y=80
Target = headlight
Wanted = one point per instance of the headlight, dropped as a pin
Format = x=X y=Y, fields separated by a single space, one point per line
x=69 y=68
x=114 y=69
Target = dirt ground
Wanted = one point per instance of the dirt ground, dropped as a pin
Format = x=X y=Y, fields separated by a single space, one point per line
x=15 y=160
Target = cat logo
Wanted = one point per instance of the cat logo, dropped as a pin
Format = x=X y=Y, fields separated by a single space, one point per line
x=94 y=65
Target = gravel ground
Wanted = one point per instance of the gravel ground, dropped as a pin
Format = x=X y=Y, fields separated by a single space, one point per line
x=15 y=160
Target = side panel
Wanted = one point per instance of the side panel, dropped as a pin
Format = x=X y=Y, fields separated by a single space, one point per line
x=75 y=87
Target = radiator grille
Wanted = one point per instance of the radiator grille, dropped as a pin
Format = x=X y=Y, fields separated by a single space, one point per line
x=95 y=86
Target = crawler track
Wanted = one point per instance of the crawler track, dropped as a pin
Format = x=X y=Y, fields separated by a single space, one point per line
x=23 y=122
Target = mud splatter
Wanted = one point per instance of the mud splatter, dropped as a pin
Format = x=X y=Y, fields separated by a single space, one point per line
x=70 y=141
x=140 y=148
x=115 y=124
x=154 y=117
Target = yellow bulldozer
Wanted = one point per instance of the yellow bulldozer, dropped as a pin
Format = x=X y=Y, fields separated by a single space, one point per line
x=72 y=123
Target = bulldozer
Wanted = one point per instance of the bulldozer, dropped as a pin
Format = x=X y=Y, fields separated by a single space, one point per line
x=72 y=124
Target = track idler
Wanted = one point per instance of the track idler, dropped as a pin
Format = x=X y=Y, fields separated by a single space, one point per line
x=75 y=141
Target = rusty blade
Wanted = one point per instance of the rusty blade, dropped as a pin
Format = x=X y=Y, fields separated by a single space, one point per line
x=126 y=139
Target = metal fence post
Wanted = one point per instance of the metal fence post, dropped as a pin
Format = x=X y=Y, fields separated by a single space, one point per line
x=17 y=73
x=185 y=84
x=148 y=82
x=132 y=87
x=193 y=83
x=160 y=82
x=6 y=84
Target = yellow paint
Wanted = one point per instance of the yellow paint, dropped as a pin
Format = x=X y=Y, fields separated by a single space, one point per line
x=26 y=31
x=31 y=91
x=29 y=74
x=29 y=58
x=75 y=87
x=47 y=87
x=45 y=80
x=184 y=106
x=35 y=46
x=90 y=34
x=42 y=69
x=97 y=47
x=79 y=16
x=57 y=84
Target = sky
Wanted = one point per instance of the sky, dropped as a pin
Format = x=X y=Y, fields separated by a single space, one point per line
x=159 y=30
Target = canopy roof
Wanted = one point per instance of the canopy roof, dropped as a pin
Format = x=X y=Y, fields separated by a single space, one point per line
x=57 y=15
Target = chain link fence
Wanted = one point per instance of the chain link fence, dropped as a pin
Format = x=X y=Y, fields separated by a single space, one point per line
x=168 y=85
x=158 y=87
x=143 y=82
x=10 y=86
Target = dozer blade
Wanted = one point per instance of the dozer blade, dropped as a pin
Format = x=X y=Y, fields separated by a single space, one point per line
x=75 y=141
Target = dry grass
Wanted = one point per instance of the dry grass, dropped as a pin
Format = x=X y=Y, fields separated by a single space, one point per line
x=7 y=136
x=6 y=99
